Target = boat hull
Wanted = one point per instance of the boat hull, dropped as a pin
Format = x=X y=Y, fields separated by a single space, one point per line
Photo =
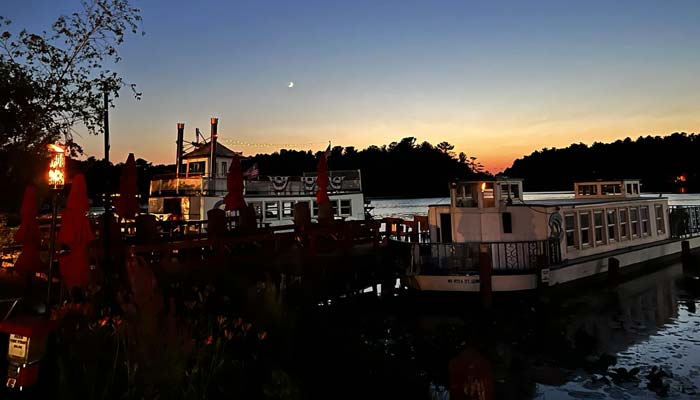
x=571 y=272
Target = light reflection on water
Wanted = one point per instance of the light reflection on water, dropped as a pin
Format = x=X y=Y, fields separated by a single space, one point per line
x=651 y=321
x=405 y=344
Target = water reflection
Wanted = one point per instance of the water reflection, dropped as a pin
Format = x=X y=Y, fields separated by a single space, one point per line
x=637 y=340
x=648 y=331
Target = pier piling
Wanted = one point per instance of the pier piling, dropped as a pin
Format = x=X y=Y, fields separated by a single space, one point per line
x=613 y=270
x=685 y=255
x=485 y=275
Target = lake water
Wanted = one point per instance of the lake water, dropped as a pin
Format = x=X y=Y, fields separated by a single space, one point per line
x=637 y=340
x=598 y=343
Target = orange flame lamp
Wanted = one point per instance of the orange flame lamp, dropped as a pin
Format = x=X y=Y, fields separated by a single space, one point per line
x=57 y=167
x=28 y=337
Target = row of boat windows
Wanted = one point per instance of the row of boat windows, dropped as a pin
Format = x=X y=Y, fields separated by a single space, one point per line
x=599 y=227
x=197 y=168
x=273 y=210
x=607 y=189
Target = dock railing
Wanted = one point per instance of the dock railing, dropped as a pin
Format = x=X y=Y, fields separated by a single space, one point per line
x=463 y=258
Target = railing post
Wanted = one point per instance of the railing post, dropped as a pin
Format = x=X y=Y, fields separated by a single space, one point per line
x=613 y=270
x=685 y=255
x=485 y=271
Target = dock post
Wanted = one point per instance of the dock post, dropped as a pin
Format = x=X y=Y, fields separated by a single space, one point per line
x=542 y=278
x=613 y=270
x=485 y=270
x=685 y=254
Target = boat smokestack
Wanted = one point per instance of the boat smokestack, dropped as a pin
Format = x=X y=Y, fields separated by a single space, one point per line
x=180 y=140
x=178 y=154
x=212 y=157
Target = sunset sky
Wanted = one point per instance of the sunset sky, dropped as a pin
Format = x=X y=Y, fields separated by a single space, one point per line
x=498 y=79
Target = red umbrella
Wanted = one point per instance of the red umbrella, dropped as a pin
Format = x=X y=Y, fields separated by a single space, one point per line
x=28 y=235
x=322 y=180
x=76 y=234
x=234 y=184
x=126 y=205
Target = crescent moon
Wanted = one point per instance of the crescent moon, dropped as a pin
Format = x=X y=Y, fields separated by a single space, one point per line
x=290 y=84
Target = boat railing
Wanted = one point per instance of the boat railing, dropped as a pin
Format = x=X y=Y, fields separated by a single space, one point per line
x=339 y=182
x=191 y=185
x=464 y=258
x=684 y=221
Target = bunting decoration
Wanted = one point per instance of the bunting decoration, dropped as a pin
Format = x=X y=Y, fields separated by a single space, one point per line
x=337 y=182
x=309 y=183
x=279 y=183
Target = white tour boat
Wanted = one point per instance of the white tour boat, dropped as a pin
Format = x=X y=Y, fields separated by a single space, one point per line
x=196 y=188
x=526 y=244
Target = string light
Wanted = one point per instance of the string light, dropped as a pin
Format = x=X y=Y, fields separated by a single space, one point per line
x=276 y=145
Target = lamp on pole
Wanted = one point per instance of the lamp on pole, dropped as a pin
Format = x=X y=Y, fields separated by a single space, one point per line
x=107 y=219
x=56 y=181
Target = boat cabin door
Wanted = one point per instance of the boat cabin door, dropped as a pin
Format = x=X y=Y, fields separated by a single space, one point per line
x=445 y=228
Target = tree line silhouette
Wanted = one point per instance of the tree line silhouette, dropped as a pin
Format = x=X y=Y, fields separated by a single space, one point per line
x=399 y=169
x=663 y=163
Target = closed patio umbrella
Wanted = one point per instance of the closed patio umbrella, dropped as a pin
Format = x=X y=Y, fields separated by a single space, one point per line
x=76 y=234
x=126 y=205
x=322 y=180
x=28 y=236
x=234 y=200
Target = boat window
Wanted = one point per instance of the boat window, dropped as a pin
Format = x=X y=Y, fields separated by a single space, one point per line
x=570 y=226
x=334 y=203
x=224 y=170
x=585 y=227
x=623 y=223
x=611 y=214
x=515 y=191
x=507 y=222
x=314 y=208
x=272 y=210
x=629 y=188
x=636 y=188
x=598 y=225
x=587 y=190
x=660 y=223
x=505 y=191
x=487 y=190
x=196 y=168
x=510 y=191
x=634 y=222
x=345 y=207
x=611 y=189
x=465 y=196
x=644 y=211
x=287 y=209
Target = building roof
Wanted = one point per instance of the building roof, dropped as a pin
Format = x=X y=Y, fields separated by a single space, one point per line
x=204 y=150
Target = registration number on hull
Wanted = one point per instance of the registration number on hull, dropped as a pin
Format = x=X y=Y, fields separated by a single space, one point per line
x=465 y=280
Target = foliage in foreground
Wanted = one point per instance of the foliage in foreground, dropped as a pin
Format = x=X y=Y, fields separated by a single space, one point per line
x=190 y=346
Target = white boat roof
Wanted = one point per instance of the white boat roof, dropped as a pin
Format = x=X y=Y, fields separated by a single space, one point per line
x=584 y=201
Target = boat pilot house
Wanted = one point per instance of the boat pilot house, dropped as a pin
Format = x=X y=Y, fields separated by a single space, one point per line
x=525 y=241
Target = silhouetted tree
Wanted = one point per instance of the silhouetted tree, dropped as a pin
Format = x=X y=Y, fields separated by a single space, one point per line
x=657 y=161
x=52 y=81
x=445 y=147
